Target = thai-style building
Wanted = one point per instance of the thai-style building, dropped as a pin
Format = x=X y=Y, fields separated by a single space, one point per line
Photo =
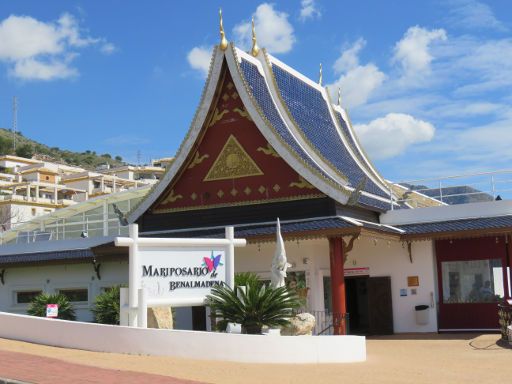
x=267 y=142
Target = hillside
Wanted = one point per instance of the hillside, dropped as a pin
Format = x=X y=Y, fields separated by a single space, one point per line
x=26 y=147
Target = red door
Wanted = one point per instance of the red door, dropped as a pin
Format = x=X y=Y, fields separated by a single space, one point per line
x=470 y=278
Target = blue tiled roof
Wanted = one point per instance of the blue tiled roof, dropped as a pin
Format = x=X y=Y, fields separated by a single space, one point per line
x=310 y=111
x=499 y=222
x=347 y=134
x=46 y=256
x=269 y=229
x=262 y=95
x=264 y=229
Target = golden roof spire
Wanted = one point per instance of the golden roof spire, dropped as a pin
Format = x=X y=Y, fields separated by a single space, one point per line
x=320 y=77
x=255 y=49
x=223 y=42
x=339 y=96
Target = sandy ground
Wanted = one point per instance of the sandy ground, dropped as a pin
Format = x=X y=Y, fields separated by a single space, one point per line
x=464 y=358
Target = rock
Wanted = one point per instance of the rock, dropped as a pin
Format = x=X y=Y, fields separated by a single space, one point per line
x=160 y=317
x=302 y=324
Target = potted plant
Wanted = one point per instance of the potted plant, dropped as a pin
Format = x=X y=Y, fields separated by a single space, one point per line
x=257 y=306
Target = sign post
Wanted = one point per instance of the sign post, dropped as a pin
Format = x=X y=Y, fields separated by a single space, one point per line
x=174 y=271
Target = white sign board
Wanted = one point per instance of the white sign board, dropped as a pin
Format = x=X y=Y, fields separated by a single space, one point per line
x=180 y=273
x=173 y=271
x=52 y=310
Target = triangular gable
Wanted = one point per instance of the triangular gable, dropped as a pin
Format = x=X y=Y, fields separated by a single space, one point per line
x=232 y=163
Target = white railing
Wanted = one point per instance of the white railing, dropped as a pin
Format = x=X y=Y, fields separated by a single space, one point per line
x=456 y=189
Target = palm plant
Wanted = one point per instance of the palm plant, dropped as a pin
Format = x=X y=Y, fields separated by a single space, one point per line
x=37 y=306
x=106 y=306
x=243 y=279
x=256 y=306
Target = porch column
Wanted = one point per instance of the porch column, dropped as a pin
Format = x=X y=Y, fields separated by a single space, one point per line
x=339 y=305
x=508 y=253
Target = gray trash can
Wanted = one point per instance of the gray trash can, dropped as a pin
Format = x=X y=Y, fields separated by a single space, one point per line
x=422 y=314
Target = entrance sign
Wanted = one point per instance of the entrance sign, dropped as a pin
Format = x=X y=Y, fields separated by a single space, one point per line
x=173 y=271
x=181 y=273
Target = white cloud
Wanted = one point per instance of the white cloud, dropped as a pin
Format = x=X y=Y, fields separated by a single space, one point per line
x=273 y=30
x=349 y=58
x=309 y=10
x=357 y=82
x=108 y=48
x=412 y=51
x=472 y=14
x=34 y=69
x=199 y=59
x=390 y=136
x=36 y=50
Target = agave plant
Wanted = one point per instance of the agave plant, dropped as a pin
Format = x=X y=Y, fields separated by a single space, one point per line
x=256 y=306
x=106 y=306
x=37 y=306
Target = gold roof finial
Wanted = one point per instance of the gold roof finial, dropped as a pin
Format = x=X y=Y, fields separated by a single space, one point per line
x=320 y=77
x=223 y=42
x=339 y=96
x=255 y=49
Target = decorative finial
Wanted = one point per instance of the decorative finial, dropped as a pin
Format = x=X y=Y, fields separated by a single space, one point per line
x=255 y=49
x=339 y=96
x=223 y=42
x=320 y=77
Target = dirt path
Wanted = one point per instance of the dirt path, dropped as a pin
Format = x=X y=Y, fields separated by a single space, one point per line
x=464 y=358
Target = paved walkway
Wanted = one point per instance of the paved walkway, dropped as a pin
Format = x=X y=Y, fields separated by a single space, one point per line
x=43 y=370
x=400 y=359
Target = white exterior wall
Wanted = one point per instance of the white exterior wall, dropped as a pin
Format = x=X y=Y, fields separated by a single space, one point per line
x=86 y=185
x=21 y=213
x=310 y=256
x=51 y=278
x=382 y=259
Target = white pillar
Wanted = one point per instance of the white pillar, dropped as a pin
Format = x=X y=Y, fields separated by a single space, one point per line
x=132 y=272
x=28 y=191
x=142 y=310
x=105 y=218
x=230 y=257
x=124 y=312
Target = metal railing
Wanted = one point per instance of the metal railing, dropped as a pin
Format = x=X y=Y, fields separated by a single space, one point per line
x=326 y=321
x=456 y=189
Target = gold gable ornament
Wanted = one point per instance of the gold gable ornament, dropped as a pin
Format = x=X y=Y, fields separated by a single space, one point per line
x=233 y=162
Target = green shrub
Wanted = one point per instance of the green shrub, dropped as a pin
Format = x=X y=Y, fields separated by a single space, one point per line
x=259 y=306
x=37 y=306
x=243 y=279
x=106 y=307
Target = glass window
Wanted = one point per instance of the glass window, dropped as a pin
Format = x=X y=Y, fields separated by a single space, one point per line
x=25 y=297
x=75 y=295
x=472 y=281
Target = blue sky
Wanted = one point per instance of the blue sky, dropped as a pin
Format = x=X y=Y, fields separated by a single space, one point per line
x=427 y=83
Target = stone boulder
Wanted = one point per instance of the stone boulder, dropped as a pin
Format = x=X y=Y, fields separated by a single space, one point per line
x=160 y=317
x=302 y=324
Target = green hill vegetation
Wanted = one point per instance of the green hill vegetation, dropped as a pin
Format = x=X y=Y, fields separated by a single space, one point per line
x=28 y=148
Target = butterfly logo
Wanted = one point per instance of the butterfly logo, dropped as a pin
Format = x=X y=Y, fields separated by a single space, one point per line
x=212 y=262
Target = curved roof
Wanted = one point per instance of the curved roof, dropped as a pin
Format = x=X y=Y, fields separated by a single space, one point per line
x=296 y=117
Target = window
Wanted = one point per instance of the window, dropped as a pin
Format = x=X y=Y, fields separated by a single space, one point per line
x=472 y=281
x=25 y=297
x=75 y=295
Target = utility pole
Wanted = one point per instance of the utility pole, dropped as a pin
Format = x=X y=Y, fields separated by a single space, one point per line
x=138 y=157
x=14 y=121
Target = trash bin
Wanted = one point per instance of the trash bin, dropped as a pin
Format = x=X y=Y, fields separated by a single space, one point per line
x=422 y=312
